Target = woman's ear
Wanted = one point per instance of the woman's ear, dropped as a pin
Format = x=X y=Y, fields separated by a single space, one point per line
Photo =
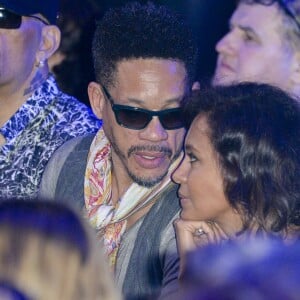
x=97 y=98
x=50 y=42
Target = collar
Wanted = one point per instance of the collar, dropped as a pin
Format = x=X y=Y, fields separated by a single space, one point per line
x=37 y=101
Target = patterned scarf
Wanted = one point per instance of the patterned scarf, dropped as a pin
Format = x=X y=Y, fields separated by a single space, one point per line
x=107 y=218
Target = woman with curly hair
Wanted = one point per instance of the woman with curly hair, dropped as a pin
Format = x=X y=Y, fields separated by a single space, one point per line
x=240 y=174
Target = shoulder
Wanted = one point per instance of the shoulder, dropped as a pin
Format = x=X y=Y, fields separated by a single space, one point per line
x=160 y=219
x=74 y=114
x=65 y=102
x=75 y=145
x=71 y=154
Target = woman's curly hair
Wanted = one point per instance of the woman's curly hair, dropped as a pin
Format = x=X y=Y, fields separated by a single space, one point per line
x=255 y=132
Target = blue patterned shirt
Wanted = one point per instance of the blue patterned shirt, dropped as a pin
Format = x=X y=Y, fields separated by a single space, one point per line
x=43 y=123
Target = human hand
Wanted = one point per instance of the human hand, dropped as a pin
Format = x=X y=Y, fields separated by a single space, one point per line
x=193 y=234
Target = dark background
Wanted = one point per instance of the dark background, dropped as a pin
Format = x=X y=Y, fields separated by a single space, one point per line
x=208 y=18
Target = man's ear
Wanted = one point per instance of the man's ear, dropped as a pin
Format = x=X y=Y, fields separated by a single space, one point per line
x=196 y=86
x=96 y=98
x=50 y=42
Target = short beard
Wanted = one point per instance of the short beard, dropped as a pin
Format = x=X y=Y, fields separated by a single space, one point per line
x=143 y=181
x=151 y=182
x=146 y=182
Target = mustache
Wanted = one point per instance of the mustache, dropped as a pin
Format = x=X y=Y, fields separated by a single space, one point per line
x=155 y=148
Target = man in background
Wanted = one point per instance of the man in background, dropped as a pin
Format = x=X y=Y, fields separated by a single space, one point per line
x=35 y=116
x=262 y=45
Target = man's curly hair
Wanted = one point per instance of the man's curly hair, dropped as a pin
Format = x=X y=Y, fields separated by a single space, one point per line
x=142 y=31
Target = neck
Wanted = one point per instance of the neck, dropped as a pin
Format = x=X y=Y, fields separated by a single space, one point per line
x=231 y=226
x=39 y=78
x=120 y=184
x=14 y=95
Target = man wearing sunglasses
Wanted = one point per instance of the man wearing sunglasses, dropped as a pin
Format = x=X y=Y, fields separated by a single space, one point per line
x=35 y=116
x=145 y=63
x=262 y=45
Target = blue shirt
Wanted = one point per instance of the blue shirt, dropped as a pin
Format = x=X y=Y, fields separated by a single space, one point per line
x=43 y=123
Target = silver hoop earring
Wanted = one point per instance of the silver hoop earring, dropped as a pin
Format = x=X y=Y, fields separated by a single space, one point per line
x=40 y=64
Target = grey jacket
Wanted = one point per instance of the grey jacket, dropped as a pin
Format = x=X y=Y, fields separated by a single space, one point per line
x=147 y=262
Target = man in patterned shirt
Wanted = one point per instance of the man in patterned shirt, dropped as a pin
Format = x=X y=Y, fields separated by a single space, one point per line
x=35 y=116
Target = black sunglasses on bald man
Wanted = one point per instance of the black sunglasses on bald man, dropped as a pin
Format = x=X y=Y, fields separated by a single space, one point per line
x=10 y=20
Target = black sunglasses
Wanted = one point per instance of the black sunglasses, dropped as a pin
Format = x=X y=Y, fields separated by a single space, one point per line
x=138 y=118
x=10 y=20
